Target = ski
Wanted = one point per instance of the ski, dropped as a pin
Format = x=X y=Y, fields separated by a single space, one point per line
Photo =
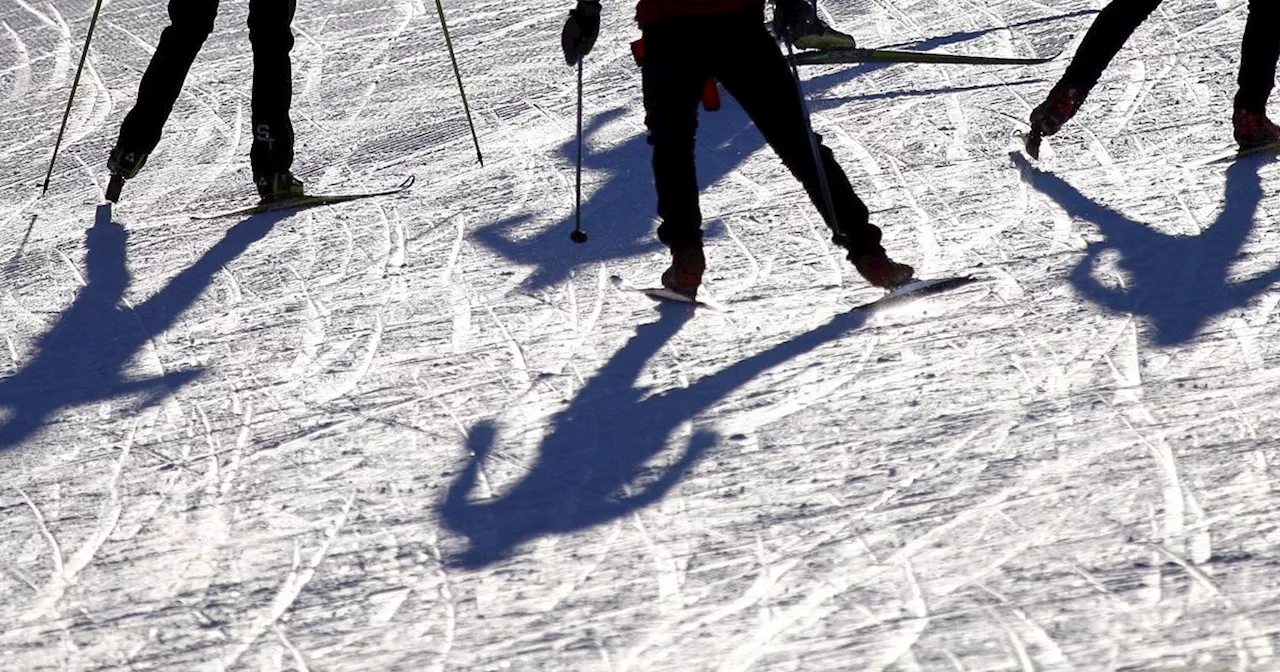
x=1231 y=156
x=664 y=294
x=304 y=201
x=859 y=55
x=914 y=290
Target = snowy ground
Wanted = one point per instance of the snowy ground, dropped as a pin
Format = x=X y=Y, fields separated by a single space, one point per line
x=425 y=432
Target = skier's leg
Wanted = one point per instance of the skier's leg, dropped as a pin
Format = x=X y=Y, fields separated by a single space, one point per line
x=1115 y=23
x=755 y=73
x=672 y=78
x=190 y=22
x=271 y=154
x=1258 y=53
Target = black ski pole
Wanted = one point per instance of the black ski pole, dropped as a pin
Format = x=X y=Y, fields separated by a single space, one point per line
x=75 y=84
x=444 y=26
x=578 y=235
x=823 y=184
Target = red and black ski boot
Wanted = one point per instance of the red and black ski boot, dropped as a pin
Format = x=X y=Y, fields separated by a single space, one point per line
x=1254 y=130
x=685 y=274
x=1063 y=102
x=881 y=271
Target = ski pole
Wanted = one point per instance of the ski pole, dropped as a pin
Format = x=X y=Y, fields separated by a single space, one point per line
x=75 y=84
x=578 y=235
x=824 y=186
x=458 y=74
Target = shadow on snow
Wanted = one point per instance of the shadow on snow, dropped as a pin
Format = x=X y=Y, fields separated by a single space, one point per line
x=591 y=467
x=967 y=35
x=82 y=358
x=1179 y=282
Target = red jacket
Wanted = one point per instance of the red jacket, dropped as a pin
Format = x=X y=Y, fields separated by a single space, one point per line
x=649 y=12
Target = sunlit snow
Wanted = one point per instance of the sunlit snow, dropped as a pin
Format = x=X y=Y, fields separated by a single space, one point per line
x=426 y=432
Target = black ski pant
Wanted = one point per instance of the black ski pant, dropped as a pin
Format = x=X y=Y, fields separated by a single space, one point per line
x=1258 y=53
x=681 y=54
x=190 y=22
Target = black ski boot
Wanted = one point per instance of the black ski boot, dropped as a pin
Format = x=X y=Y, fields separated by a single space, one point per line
x=797 y=21
x=281 y=186
x=124 y=165
x=881 y=271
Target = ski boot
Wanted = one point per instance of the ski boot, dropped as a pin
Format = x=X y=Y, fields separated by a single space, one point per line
x=1253 y=130
x=123 y=166
x=1063 y=102
x=797 y=21
x=275 y=187
x=881 y=271
x=685 y=274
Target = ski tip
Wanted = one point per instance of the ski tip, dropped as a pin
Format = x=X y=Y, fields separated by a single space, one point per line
x=1263 y=153
x=408 y=182
x=925 y=287
x=916 y=289
x=1054 y=57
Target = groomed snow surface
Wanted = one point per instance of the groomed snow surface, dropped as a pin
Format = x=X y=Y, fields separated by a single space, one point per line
x=425 y=432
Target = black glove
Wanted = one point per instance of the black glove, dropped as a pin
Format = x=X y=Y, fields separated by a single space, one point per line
x=580 y=31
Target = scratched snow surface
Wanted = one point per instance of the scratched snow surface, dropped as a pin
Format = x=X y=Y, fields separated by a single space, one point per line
x=426 y=431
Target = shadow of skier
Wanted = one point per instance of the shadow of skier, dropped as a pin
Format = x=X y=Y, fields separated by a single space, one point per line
x=591 y=466
x=82 y=358
x=1179 y=282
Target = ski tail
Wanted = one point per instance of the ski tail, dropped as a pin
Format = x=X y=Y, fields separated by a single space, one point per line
x=917 y=289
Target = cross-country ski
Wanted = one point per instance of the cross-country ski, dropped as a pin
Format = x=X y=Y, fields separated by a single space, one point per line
x=664 y=294
x=859 y=55
x=302 y=201
x=916 y=289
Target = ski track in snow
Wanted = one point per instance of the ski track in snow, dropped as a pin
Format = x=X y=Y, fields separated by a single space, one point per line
x=425 y=431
